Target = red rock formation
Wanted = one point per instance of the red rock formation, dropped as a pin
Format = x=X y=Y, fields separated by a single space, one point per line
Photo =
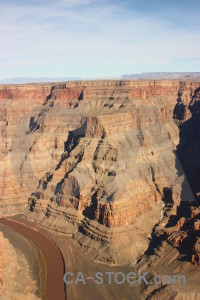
x=96 y=154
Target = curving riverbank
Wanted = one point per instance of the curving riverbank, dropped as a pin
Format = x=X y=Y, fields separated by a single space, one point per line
x=54 y=263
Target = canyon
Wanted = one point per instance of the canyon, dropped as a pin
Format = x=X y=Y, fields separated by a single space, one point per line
x=112 y=164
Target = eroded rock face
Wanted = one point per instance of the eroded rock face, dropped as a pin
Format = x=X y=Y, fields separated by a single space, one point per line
x=15 y=280
x=175 y=243
x=95 y=159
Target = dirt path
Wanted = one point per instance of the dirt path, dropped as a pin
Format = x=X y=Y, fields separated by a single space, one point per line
x=54 y=263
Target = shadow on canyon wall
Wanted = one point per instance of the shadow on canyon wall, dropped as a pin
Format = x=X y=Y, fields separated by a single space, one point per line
x=187 y=164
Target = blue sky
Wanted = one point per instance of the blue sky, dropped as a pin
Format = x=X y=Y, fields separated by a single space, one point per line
x=97 y=38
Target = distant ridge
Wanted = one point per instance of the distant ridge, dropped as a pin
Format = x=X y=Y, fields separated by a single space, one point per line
x=155 y=75
x=163 y=75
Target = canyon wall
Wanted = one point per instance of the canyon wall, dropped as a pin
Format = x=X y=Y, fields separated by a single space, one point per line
x=96 y=159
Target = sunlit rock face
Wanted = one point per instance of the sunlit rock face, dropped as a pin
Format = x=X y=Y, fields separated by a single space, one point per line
x=94 y=159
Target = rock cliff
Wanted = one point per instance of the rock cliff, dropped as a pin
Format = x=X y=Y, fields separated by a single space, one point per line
x=99 y=160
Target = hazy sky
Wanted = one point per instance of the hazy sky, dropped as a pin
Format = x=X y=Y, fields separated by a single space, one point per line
x=97 y=38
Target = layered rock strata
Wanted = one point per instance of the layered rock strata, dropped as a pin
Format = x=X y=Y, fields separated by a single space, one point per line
x=95 y=159
x=175 y=243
